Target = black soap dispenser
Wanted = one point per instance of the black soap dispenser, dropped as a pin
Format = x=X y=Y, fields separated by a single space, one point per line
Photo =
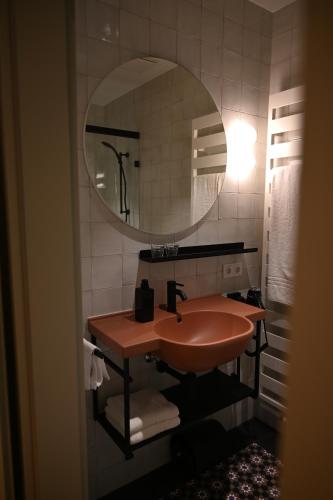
x=144 y=302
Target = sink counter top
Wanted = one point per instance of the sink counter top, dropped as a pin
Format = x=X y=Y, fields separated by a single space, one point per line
x=129 y=338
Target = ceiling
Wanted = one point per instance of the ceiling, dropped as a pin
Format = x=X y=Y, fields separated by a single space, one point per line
x=272 y=5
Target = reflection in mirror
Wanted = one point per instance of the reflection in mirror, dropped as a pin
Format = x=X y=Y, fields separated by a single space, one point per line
x=155 y=145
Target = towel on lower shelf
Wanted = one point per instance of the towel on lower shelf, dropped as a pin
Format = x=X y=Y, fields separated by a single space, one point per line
x=147 y=408
x=146 y=432
x=283 y=231
x=94 y=368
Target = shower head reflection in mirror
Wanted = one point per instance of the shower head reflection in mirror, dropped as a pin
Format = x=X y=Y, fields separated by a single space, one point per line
x=167 y=122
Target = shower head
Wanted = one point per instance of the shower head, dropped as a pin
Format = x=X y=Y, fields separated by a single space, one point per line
x=119 y=155
x=108 y=145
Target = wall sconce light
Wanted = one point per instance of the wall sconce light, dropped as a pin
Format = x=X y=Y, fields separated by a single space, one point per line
x=241 y=156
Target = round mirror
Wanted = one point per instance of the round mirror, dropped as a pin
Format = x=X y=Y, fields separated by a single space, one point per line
x=155 y=145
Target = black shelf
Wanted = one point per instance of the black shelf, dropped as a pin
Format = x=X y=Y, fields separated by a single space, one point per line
x=198 y=252
x=207 y=394
x=210 y=393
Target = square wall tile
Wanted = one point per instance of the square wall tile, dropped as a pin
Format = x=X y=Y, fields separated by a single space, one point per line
x=253 y=17
x=188 y=52
x=228 y=206
x=246 y=206
x=105 y=239
x=85 y=274
x=214 y=5
x=267 y=24
x=212 y=27
x=233 y=36
x=281 y=46
x=102 y=57
x=163 y=271
x=207 y=284
x=184 y=268
x=232 y=65
x=231 y=94
x=163 y=12
x=163 y=41
x=85 y=239
x=280 y=76
x=128 y=297
x=228 y=231
x=86 y=305
x=250 y=101
x=251 y=72
x=106 y=301
x=130 y=269
x=206 y=266
x=247 y=229
x=208 y=233
x=84 y=199
x=283 y=19
x=265 y=50
x=134 y=32
x=252 y=44
x=234 y=10
x=189 y=19
x=107 y=272
x=211 y=59
x=138 y=7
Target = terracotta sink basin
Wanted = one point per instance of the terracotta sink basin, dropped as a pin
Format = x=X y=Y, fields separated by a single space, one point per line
x=203 y=339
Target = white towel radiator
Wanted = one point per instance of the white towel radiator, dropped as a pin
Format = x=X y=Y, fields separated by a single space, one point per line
x=284 y=144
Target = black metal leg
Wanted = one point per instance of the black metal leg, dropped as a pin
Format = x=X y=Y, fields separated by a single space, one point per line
x=238 y=368
x=127 y=434
x=257 y=359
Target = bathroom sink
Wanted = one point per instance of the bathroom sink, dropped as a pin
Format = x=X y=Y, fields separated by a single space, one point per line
x=202 y=339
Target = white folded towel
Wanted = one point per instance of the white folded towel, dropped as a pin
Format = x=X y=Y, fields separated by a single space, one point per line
x=283 y=232
x=147 y=408
x=147 y=432
x=94 y=367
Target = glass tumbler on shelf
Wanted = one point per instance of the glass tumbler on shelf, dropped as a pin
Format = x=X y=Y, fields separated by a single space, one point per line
x=157 y=251
x=171 y=249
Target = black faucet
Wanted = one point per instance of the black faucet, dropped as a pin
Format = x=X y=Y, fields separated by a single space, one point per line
x=172 y=293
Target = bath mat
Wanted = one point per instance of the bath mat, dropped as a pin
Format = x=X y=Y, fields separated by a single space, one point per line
x=252 y=473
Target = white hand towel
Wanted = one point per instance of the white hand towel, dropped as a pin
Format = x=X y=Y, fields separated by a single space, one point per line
x=147 y=407
x=94 y=368
x=149 y=431
x=283 y=231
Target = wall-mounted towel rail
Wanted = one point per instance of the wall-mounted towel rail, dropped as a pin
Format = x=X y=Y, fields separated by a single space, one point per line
x=109 y=362
x=284 y=145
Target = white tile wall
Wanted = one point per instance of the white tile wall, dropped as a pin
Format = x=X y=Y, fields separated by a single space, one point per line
x=287 y=47
x=225 y=44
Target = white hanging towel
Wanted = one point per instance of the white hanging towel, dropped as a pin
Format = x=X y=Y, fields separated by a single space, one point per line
x=283 y=232
x=205 y=191
x=148 y=408
x=94 y=367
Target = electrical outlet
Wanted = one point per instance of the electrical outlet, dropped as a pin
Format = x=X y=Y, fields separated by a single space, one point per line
x=232 y=270
x=228 y=270
x=238 y=268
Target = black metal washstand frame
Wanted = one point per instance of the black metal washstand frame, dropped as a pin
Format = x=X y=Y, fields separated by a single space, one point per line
x=196 y=396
